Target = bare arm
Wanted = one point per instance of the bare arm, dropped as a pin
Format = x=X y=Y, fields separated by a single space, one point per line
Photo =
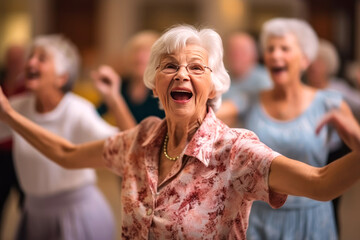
x=107 y=83
x=57 y=149
x=296 y=178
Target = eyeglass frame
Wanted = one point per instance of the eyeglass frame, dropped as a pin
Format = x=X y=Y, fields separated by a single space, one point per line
x=186 y=67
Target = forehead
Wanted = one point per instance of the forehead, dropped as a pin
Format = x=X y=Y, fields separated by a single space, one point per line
x=288 y=39
x=36 y=49
x=188 y=52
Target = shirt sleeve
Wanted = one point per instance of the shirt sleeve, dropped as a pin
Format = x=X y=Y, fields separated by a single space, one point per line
x=251 y=164
x=117 y=149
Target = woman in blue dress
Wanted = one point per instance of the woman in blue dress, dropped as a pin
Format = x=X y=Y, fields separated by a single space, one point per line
x=285 y=118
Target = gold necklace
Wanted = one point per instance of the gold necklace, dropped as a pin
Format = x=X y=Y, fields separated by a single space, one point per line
x=165 y=150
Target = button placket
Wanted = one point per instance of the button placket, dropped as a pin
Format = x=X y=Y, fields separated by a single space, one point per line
x=149 y=211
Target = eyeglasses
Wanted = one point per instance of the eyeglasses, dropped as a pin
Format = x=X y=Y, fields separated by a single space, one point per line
x=192 y=68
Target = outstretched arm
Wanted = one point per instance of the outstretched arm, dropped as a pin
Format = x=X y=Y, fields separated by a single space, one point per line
x=107 y=82
x=296 y=178
x=58 y=149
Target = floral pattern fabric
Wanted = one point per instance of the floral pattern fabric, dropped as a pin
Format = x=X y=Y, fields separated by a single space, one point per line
x=207 y=194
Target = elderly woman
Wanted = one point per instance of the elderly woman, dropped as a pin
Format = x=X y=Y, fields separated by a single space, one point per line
x=189 y=176
x=322 y=74
x=59 y=203
x=285 y=119
x=138 y=97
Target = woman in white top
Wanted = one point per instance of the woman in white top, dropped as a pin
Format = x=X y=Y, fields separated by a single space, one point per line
x=60 y=203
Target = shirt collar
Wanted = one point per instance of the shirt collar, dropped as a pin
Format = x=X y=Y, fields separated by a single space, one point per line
x=158 y=133
x=201 y=144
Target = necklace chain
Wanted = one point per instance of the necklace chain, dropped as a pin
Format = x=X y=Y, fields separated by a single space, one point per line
x=165 y=150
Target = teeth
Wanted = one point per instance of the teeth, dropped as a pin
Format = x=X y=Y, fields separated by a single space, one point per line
x=181 y=91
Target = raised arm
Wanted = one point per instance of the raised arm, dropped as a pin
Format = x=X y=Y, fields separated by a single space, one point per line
x=57 y=149
x=107 y=82
x=296 y=178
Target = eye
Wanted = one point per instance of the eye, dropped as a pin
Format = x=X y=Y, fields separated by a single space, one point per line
x=42 y=57
x=196 y=67
x=285 y=48
x=170 y=66
x=270 y=49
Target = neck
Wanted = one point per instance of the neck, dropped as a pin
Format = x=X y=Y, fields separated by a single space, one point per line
x=322 y=83
x=180 y=132
x=287 y=91
x=48 y=101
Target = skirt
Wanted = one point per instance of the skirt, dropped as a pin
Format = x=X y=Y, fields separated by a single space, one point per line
x=80 y=214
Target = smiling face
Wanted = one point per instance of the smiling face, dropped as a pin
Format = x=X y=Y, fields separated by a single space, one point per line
x=284 y=59
x=40 y=72
x=184 y=95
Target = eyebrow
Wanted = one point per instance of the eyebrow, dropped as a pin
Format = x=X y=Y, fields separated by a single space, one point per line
x=172 y=58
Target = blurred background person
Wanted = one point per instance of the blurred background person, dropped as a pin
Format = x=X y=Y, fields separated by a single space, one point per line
x=353 y=74
x=12 y=83
x=248 y=76
x=285 y=118
x=322 y=74
x=138 y=97
x=59 y=203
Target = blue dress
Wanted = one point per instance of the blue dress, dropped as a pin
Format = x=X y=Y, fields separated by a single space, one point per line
x=300 y=217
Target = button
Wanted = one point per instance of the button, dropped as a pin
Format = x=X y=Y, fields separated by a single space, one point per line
x=149 y=211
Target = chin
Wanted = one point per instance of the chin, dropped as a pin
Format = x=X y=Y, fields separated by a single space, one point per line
x=31 y=85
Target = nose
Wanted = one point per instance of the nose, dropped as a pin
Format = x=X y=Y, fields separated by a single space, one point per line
x=32 y=60
x=182 y=74
x=276 y=53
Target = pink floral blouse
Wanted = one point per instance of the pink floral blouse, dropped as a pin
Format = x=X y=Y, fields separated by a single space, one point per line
x=209 y=191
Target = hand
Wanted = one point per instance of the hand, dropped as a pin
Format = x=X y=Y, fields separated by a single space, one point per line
x=346 y=125
x=4 y=105
x=107 y=82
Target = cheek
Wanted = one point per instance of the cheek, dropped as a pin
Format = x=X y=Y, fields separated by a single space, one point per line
x=161 y=88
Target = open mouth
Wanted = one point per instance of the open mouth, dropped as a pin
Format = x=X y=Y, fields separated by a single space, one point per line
x=32 y=74
x=277 y=70
x=181 y=95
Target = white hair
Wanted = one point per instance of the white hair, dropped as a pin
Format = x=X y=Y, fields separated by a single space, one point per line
x=179 y=37
x=304 y=33
x=327 y=52
x=65 y=54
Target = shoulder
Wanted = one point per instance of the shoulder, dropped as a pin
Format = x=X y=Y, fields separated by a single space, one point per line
x=235 y=138
x=78 y=100
x=241 y=136
x=21 y=100
x=329 y=98
x=77 y=106
x=143 y=130
x=149 y=125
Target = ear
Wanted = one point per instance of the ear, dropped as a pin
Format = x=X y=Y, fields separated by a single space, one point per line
x=62 y=80
x=212 y=93
x=305 y=63
x=155 y=92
